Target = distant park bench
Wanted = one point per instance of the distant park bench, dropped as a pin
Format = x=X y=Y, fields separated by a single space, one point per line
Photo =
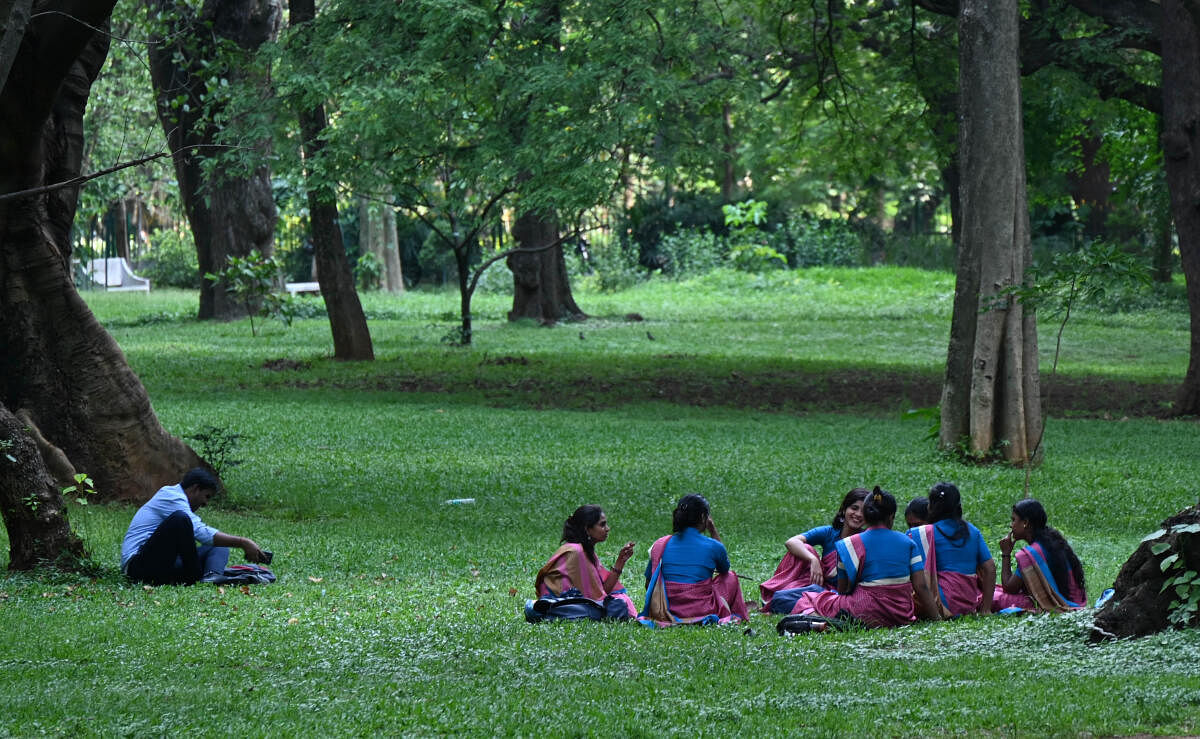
x=303 y=288
x=114 y=273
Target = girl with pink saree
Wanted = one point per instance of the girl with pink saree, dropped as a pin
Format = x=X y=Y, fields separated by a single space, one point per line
x=801 y=568
x=958 y=566
x=688 y=579
x=574 y=570
x=1049 y=577
x=879 y=574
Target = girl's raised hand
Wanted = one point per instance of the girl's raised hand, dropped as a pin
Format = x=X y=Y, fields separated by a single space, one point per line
x=624 y=554
x=1006 y=544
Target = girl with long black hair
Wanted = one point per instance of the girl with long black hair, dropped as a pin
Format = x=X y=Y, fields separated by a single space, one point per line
x=1048 y=576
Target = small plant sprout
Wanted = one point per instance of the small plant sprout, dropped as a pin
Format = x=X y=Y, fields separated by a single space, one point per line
x=218 y=446
x=254 y=280
x=82 y=488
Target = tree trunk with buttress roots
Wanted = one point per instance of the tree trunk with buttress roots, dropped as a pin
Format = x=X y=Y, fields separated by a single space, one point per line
x=541 y=288
x=68 y=398
x=991 y=401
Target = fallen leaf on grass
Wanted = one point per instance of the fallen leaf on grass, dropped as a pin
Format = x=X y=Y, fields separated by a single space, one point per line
x=512 y=592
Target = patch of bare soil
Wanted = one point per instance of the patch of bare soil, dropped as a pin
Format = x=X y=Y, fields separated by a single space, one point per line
x=856 y=391
x=867 y=391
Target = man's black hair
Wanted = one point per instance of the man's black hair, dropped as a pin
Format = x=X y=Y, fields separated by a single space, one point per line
x=200 y=476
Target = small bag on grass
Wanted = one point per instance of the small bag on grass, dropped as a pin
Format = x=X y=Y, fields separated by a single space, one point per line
x=572 y=606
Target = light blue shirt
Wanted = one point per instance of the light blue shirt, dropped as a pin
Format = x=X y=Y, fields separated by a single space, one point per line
x=166 y=501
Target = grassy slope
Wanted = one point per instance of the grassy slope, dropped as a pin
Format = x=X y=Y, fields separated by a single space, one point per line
x=397 y=613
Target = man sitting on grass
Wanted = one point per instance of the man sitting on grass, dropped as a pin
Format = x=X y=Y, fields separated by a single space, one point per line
x=160 y=545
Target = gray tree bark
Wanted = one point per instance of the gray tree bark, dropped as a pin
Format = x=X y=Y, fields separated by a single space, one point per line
x=991 y=395
x=377 y=235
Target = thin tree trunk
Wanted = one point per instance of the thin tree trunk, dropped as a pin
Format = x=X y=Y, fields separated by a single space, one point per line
x=1164 y=247
x=1091 y=187
x=393 y=270
x=368 y=239
x=1181 y=149
x=377 y=235
x=728 y=170
x=462 y=259
x=991 y=397
x=347 y=322
x=120 y=232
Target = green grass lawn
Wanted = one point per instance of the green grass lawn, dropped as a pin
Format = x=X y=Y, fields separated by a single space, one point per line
x=396 y=613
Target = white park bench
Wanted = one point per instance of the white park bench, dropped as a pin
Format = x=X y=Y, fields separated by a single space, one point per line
x=303 y=288
x=114 y=273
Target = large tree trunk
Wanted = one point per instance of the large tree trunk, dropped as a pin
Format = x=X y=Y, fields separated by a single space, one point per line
x=79 y=398
x=1181 y=149
x=541 y=289
x=229 y=215
x=347 y=322
x=991 y=396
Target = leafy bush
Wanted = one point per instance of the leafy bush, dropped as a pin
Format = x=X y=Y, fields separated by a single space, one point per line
x=217 y=445
x=691 y=252
x=922 y=251
x=651 y=219
x=496 y=279
x=367 y=271
x=807 y=241
x=172 y=260
x=611 y=267
x=749 y=246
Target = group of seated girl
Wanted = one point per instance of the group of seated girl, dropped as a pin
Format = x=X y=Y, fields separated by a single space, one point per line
x=866 y=570
x=951 y=572
x=688 y=579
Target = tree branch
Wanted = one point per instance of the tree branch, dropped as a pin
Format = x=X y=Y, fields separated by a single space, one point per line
x=509 y=252
x=81 y=179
